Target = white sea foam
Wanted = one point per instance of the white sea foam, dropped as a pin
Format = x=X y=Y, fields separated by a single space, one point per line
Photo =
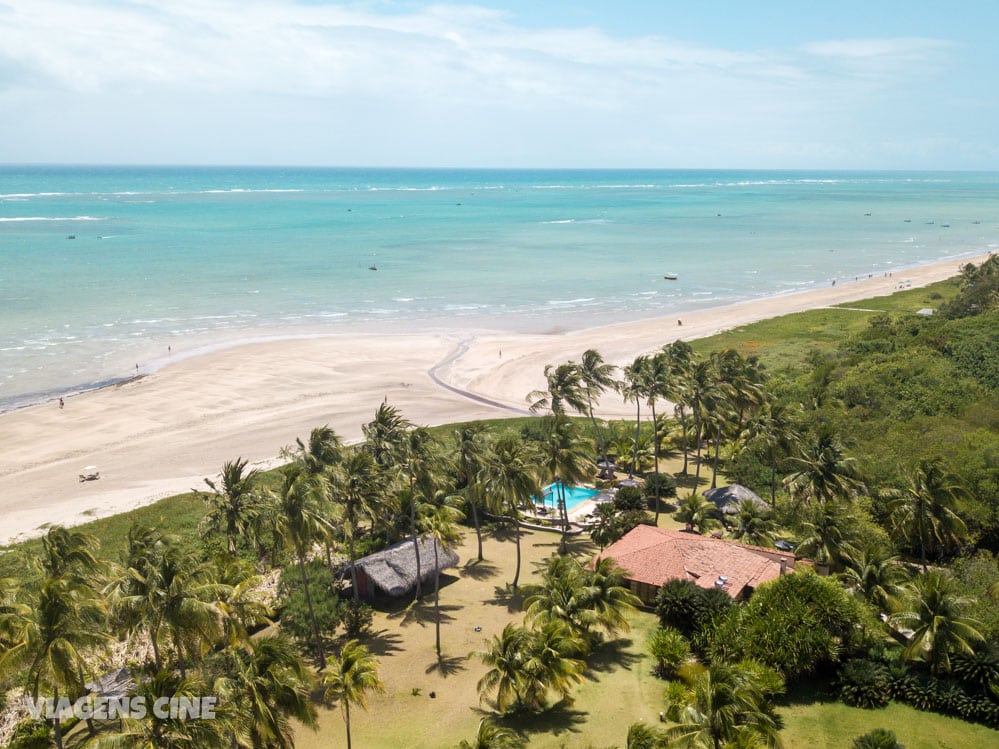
x=51 y=218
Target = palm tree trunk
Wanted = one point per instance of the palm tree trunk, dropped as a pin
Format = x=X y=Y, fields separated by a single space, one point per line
x=697 y=457
x=655 y=454
x=596 y=430
x=416 y=542
x=346 y=718
x=563 y=514
x=714 y=468
x=773 y=481
x=56 y=724
x=437 y=599
x=312 y=611
x=516 y=526
x=475 y=519
x=683 y=428
x=638 y=433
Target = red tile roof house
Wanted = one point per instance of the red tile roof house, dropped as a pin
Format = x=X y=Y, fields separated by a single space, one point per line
x=650 y=556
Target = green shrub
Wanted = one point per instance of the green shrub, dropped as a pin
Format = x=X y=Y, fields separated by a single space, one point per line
x=629 y=498
x=879 y=738
x=863 y=683
x=326 y=603
x=670 y=649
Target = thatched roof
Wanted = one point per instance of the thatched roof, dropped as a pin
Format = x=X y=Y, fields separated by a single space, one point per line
x=728 y=498
x=393 y=570
x=115 y=685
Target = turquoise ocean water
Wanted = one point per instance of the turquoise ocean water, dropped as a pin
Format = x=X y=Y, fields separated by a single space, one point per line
x=196 y=258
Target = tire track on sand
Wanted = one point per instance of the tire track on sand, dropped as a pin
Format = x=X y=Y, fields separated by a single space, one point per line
x=457 y=353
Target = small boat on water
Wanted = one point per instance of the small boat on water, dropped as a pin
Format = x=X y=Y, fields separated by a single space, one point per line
x=372 y=267
x=670 y=276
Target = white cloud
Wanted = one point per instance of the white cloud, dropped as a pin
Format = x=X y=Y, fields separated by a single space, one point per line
x=397 y=85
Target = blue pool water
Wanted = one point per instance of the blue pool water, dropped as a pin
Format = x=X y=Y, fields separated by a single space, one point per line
x=574 y=495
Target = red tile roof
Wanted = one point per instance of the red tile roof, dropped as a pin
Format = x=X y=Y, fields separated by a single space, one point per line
x=653 y=555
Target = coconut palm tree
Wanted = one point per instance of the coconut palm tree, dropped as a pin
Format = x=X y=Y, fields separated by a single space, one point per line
x=491 y=736
x=471 y=450
x=51 y=639
x=352 y=674
x=159 y=730
x=698 y=513
x=934 y=611
x=270 y=685
x=510 y=478
x=705 y=393
x=564 y=459
x=385 y=435
x=355 y=486
x=655 y=385
x=633 y=389
x=440 y=526
x=754 y=524
x=719 y=704
x=323 y=450
x=680 y=357
x=875 y=576
x=301 y=521
x=606 y=593
x=68 y=553
x=825 y=535
x=924 y=513
x=506 y=655
x=824 y=472
x=552 y=664
x=774 y=427
x=597 y=377
x=233 y=504
x=565 y=390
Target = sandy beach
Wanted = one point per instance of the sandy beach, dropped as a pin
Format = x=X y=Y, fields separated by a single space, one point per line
x=163 y=433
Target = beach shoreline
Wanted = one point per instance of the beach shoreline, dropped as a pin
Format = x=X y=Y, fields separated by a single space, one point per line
x=162 y=433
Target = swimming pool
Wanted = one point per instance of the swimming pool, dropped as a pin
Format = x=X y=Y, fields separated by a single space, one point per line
x=574 y=495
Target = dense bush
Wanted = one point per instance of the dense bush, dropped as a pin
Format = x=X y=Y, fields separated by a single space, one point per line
x=879 y=738
x=629 y=498
x=689 y=609
x=326 y=604
x=670 y=649
x=864 y=683
x=926 y=692
x=667 y=488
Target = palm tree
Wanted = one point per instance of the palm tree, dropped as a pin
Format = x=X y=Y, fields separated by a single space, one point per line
x=300 y=522
x=754 y=524
x=826 y=535
x=564 y=458
x=491 y=736
x=679 y=358
x=159 y=730
x=355 y=486
x=323 y=451
x=633 y=388
x=385 y=434
x=934 y=611
x=510 y=479
x=68 y=553
x=470 y=457
x=565 y=389
x=233 y=504
x=269 y=685
x=924 y=512
x=655 y=384
x=824 y=473
x=597 y=377
x=353 y=673
x=774 y=427
x=697 y=513
x=506 y=656
x=50 y=640
x=440 y=526
x=551 y=664
x=704 y=394
x=607 y=594
x=875 y=576
x=721 y=703
x=420 y=466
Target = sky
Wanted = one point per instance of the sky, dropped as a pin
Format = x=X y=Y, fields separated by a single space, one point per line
x=765 y=84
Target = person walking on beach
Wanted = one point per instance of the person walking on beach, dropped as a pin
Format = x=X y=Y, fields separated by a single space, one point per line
x=61 y=404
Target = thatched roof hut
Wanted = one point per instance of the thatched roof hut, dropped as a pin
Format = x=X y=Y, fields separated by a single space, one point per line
x=728 y=498
x=115 y=685
x=391 y=573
